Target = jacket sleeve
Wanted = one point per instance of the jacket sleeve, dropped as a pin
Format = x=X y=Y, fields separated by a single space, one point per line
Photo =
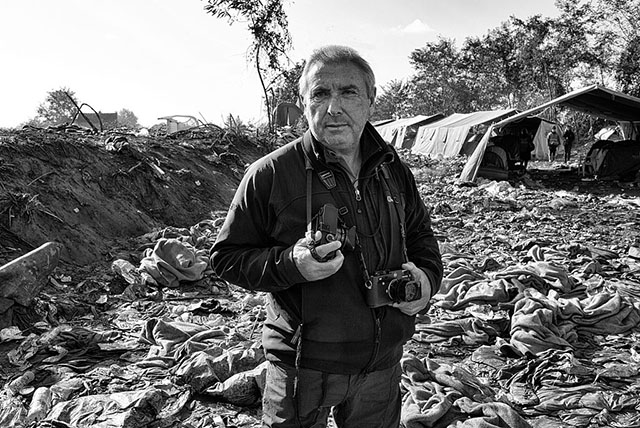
x=422 y=245
x=244 y=254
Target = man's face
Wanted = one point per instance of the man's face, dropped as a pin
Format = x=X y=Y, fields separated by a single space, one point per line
x=336 y=105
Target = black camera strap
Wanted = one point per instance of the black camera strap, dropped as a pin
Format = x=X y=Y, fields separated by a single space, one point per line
x=393 y=198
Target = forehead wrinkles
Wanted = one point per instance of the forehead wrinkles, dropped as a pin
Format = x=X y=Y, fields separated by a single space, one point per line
x=335 y=77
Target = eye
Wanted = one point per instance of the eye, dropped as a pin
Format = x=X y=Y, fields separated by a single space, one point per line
x=319 y=94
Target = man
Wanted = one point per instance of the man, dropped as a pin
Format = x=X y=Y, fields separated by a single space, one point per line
x=553 y=141
x=568 y=138
x=525 y=147
x=331 y=343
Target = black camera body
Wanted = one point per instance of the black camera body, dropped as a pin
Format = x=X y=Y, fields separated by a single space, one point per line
x=328 y=222
x=392 y=286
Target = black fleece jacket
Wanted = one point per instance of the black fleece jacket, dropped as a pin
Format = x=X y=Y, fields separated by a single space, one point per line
x=254 y=249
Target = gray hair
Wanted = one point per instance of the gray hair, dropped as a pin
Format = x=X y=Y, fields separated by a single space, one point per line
x=335 y=54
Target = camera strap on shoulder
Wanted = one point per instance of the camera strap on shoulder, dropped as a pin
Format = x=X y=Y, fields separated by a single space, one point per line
x=393 y=198
x=328 y=179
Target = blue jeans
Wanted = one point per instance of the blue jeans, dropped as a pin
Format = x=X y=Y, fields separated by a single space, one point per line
x=370 y=400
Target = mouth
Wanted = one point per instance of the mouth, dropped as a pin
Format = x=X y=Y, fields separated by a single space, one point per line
x=336 y=125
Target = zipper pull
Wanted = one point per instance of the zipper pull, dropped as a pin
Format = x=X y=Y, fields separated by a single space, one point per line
x=358 y=198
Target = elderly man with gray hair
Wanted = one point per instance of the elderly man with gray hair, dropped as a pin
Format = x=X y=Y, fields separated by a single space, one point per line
x=333 y=228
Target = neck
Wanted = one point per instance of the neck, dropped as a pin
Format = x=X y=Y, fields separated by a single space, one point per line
x=353 y=162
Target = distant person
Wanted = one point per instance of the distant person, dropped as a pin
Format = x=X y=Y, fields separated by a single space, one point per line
x=525 y=147
x=568 y=137
x=553 y=142
x=333 y=228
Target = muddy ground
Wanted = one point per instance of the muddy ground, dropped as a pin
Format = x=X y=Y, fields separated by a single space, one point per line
x=93 y=192
x=104 y=196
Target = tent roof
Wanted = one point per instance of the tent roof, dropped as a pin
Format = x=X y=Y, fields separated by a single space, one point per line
x=470 y=119
x=407 y=121
x=594 y=100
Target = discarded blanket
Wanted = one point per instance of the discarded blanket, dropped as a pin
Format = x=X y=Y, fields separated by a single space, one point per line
x=172 y=261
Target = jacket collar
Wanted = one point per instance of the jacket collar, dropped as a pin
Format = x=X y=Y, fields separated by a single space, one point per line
x=375 y=150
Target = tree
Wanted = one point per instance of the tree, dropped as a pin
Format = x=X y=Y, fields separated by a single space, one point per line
x=268 y=25
x=393 y=101
x=127 y=119
x=613 y=30
x=440 y=83
x=284 y=87
x=628 y=68
x=59 y=107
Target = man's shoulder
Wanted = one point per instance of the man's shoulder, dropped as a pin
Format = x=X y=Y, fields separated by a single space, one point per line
x=282 y=157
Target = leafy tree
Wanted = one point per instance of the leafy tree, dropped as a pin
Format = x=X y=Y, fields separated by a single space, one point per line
x=442 y=82
x=267 y=22
x=59 y=107
x=127 y=119
x=393 y=101
x=613 y=30
x=628 y=69
x=284 y=87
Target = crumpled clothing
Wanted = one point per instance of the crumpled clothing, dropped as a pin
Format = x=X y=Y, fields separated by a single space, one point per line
x=540 y=275
x=206 y=368
x=479 y=292
x=172 y=261
x=459 y=275
x=177 y=339
x=241 y=389
x=489 y=415
x=130 y=409
x=535 y=326
x=553 y=399
x=12 y=411
x=473 y=331
x=441 y=394
x=540 y=322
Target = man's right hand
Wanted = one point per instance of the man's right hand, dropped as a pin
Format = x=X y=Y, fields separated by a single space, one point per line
x=312 y=269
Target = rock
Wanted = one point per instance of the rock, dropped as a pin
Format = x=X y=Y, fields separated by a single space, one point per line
x=23 y=278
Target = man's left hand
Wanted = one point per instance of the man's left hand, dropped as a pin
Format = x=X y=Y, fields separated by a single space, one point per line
x=412 y=308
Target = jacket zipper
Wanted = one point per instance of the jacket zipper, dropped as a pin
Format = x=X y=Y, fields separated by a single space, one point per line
x=358 y=197
x=376 y=314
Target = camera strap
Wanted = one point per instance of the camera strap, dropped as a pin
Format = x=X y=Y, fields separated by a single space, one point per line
x=393 y=198
x=329 y=181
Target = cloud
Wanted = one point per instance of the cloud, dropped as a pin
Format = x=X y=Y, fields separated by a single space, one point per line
x=416 y=27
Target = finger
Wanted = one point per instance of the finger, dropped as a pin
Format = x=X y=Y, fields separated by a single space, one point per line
x=409 y=266
x=326 y=249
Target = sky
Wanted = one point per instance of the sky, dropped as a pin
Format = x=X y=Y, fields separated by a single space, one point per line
x=169 y=57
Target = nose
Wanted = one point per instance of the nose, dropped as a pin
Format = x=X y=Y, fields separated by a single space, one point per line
x=335 y=106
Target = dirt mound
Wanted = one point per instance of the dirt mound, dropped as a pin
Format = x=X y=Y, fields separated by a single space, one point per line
x=92 y=192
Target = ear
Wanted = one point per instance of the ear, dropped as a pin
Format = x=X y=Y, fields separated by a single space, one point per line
x=372 y=102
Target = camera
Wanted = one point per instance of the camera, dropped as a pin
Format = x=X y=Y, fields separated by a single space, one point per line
x=328 y=222
x=392 y=286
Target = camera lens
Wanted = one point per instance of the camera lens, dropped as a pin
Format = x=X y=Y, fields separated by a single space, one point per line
x=401 y=290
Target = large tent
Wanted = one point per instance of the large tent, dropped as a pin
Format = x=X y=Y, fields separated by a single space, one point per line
x=454 y=134
x=509 y=136
x=400 y=133
x=594 y=100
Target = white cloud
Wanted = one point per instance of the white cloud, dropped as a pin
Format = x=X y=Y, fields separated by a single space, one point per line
x=416 y=27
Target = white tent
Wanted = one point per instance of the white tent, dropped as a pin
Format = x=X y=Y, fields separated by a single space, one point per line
x=595 y=100
x=400 y=133
x=451 y=136
x=538 y=128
